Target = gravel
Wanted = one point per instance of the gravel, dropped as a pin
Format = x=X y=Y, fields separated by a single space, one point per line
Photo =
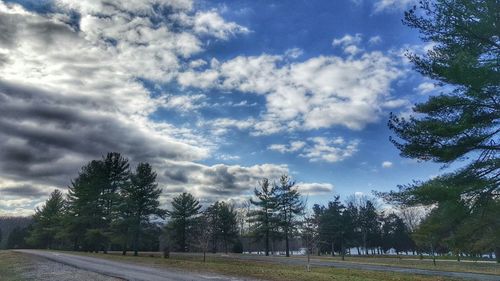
x=41 y=269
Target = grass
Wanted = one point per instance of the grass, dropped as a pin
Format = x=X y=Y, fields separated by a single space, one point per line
x=414 y=262
x=262 y=270
x=11 y=265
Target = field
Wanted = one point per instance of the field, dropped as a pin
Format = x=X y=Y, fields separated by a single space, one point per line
x=11 y=265
x=415 y=262
x=260 y=270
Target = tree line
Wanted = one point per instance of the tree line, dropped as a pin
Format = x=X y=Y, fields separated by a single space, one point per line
x=109 y=206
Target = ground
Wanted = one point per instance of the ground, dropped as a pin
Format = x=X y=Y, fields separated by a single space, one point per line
x=21 y=267
x=243 y=266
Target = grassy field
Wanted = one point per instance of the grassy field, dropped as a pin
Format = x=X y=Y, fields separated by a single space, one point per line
x=11 y=265
x=414 y=262
x=262 y=270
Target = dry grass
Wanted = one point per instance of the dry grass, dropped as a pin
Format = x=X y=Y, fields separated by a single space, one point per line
x=262 y=270
x=11 y=265
x=414 y=262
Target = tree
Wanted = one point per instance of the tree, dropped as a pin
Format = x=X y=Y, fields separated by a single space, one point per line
x=264 y=216
x=462 y=123
x=47 y=221
x=330 y=222
x=289 y=205
x=140 y=201
x=185 y=210
x=84 y=211
x=205 y=231
x=368 y=223
x=115 y=176
x=310 y=232
x=17 y=238
x=225 y=226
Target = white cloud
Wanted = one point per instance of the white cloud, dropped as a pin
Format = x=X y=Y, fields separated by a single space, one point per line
x=331 y=151
x=387 y=164
x=292 y=147
x=184 y=102
x=211 y=23
x=389 y=5
x=320 y=92
x=320 y=149
x=425 y=88
x=314 y=188
x=349 y=43
x=374 y=40
x=294 y=53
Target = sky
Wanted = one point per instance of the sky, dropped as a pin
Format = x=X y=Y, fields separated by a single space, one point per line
x=215 y=95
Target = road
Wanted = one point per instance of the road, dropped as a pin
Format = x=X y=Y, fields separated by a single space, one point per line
x=125 y=271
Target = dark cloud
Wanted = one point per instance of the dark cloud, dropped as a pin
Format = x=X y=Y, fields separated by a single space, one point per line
x=23 y=191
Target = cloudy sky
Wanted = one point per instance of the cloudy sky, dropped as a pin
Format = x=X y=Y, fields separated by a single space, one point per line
x=214 y=94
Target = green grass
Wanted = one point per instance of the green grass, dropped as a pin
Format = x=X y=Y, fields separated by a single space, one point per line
x=414 y=262
x=262 y=270
x=11 y=265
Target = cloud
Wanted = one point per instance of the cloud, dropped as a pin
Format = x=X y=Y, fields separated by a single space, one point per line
x=293 y=146
x=314 y=188
x=349 y=43
x=392 y=5
x=387 y=164
x=216 y=181
x=210 y=23
x=374 y=40
x=425 y=88
x=331 y=151
x=320 y=92
x=71 y=90
x=184 y=102
x=320 y=149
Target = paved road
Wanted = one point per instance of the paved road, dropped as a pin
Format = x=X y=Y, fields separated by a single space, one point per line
x=125 y=271
x=364 y=266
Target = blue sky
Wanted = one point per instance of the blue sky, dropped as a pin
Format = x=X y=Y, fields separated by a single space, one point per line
x=215 y=94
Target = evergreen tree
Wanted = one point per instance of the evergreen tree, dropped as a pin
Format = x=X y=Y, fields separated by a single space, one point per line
x=140 y=201
x=84 y=211
x=368 y=223
x=290 y=206
x=17 y=238
x=331 y=224
x=225 y=226
x=459 y=124
x=264 y=217
x=47 y=221
x=185 y=210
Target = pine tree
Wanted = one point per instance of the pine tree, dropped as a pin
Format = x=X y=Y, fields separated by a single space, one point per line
x=461 y=124
x=84 y=211
x=140 y=201
x=290 y=206
x=264 y=217
x=185 y=210
x=47 y=221
x=228 y=226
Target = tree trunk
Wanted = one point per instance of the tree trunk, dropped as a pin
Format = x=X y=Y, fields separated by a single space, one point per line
x=497 y=254
x=136 y=239
x=204 y=255
x=308 y=259
x=342 y=250
x=287 y=243
x=333 y=249
x=267 y=242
